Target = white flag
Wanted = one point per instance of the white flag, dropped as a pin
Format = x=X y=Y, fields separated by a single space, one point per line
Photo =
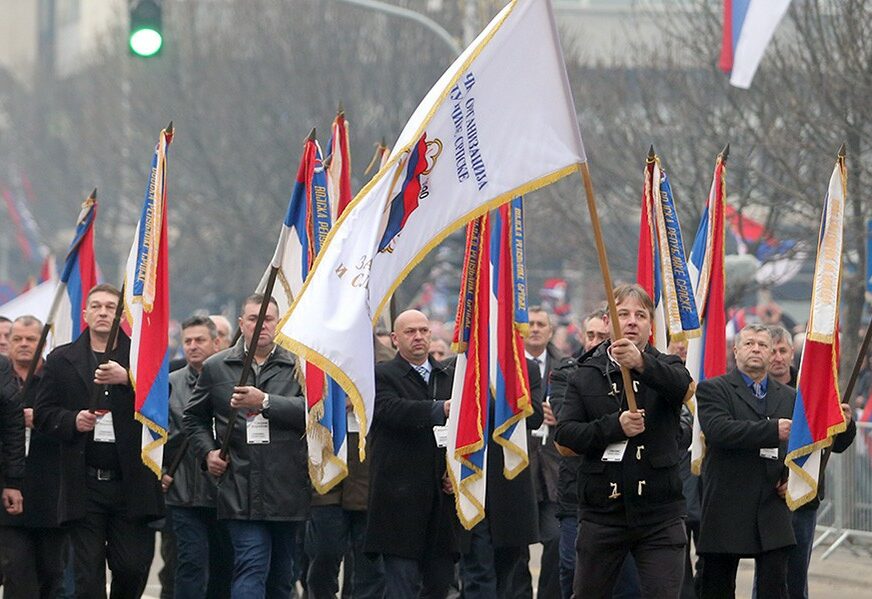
x=499 y=123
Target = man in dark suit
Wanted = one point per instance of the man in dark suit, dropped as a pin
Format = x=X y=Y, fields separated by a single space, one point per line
x=107 y=494
x=411 y=518
x=544 y=459
x=745 y=417
x=33 y=546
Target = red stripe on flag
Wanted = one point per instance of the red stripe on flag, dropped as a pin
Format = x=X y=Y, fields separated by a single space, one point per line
x=818 y=388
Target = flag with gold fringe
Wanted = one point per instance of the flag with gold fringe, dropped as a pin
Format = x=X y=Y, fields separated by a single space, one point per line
x=147 y=310
x=817 y=414
x=490 y=381
x=662 y=269
x=499 y=123
x=707 y=353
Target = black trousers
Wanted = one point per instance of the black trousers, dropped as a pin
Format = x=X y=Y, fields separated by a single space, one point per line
x=658 y=551
x=32 y=561
x=108 y=535
x=718 y=575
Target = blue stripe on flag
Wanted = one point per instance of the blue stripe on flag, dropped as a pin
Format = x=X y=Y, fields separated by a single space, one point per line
x=155 y=406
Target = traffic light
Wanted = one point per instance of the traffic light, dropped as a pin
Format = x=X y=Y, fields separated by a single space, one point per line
x=146 y=32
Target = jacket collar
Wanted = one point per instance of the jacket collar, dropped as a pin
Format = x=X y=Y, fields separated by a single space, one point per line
x=773 y=392
x=279 y=355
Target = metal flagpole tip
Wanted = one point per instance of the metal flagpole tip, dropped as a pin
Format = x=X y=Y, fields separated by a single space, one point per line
x=725 y=153
x=93 y=195
x=340 y=111
x=311 y=135
x=651 y=154
x=169 y=128
x=842 y=151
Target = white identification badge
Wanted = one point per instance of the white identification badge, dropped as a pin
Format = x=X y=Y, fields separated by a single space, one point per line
x=440 y=433
x=615 y=451
x=104 y=432
x=256 y=430
x=770 y=453
x=351 y=423
x=541 y=433
x=26 y=442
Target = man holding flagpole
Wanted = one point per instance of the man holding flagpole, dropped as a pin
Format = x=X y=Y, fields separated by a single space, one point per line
x=263 y=484
x=629 y=489
x=109 y=494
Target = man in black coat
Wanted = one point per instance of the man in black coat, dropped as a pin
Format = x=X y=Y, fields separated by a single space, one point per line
x=263 y=485
x=107 y=494
x=33 y=546
x=745 y=417
x=629 y=489
x=411 y=518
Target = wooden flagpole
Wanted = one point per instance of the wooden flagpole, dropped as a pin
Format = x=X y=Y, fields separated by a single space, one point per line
x=607 y=277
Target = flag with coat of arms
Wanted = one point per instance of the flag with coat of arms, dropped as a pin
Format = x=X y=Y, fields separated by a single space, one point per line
x=499 y=122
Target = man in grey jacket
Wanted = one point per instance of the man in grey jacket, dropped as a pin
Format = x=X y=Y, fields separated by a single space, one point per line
x=204 y=557
x=263 y=489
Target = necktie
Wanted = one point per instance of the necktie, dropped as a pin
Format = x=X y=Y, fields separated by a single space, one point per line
x=540 y=363
x=761 y=397
x=425 y=374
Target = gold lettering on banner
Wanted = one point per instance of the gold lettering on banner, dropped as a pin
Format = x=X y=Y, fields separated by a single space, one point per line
x=827 y=269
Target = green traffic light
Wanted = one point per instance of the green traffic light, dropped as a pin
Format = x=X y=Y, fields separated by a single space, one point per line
x=145 y=42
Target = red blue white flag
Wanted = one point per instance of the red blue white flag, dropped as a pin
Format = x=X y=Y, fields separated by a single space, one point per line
x=26 y=230
x=339 y=169
x=78 y=276
x=490 y=379
x=662 y=269
x=147 y=310
x=305 y=227
x=748 y=28
x=707 y=354
x=817 y=415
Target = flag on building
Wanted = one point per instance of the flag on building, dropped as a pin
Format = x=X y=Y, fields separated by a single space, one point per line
x=707 y=354
x=147 y=310
x=748 y=28
x=78 y=276
x=817 y=414
x=339 y=169
x=662 y=269
x=490 y=379
x=499 y=122
x=306 y=225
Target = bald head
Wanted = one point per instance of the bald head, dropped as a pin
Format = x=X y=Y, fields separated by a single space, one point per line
x=411 y=335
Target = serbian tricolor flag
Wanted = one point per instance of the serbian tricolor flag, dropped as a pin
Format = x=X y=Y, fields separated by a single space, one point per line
x=147 y=310
x=707 y=354
x=817 y=415
x=405 y=201
x=78 y=276
x=26 y=230
x=305 y=227
x=748 y=29
x=662 y=270
x=490 y=379
x=339 y=166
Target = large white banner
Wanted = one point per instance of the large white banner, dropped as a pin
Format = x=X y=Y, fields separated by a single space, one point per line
x=499 y=123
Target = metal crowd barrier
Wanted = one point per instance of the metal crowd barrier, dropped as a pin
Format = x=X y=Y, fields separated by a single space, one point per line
x=846 y=510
